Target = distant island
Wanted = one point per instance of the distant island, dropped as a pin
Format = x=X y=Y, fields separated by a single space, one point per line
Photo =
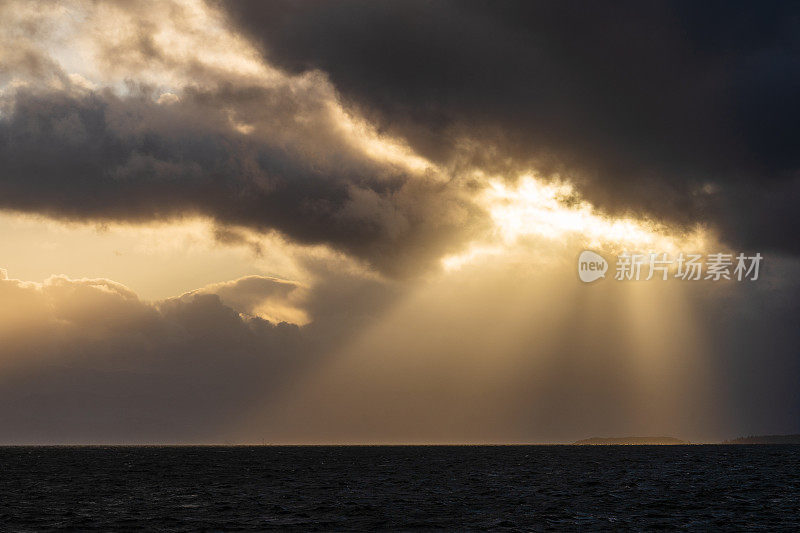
x=671 y=441
x=766 y=439
x=629 y=441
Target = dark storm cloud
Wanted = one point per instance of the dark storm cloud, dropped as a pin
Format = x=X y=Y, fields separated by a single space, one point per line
x=684 y=110
x=98 y=156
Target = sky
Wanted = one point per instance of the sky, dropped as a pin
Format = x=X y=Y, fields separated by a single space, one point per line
x=360 y=222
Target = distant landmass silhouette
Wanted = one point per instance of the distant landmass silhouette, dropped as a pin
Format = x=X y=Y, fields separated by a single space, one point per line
x=604 y=441
x=667 y=441
x=766 y=439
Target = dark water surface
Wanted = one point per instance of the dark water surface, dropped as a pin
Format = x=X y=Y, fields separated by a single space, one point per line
x=409 y=487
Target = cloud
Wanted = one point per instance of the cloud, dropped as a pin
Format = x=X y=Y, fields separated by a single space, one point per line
x=87 y=361
x=273 y=299
x=649 y=106
x=362 y=127
x=103 y=157
x=171 y=126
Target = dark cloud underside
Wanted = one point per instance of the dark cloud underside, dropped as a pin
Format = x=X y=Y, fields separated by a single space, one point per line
x=98 y=156
x=646 y=103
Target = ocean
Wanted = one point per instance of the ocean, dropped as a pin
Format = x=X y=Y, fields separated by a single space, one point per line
x=368 y=488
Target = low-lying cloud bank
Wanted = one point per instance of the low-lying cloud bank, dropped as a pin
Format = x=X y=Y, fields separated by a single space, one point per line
x=464 y=359
x=87 y=361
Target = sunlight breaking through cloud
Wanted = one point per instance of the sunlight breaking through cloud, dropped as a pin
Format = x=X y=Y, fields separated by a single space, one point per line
x=554 y=211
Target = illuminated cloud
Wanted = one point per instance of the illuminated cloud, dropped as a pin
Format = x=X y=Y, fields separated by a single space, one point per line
x=134 y=112
x=542 y=213
x=272 y=299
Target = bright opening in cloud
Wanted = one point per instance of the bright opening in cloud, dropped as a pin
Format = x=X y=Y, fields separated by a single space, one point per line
x=554 y=211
